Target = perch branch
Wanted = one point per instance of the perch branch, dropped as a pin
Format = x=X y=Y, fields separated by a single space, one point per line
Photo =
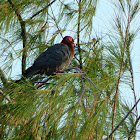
x=44 y=82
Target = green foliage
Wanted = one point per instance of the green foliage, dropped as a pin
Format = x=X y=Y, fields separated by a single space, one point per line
x=72 y=105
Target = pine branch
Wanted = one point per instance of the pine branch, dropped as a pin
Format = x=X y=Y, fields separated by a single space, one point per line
x=23 y=34
x=44 y=82
x=123 y=120
x=24 y=54
x=41 y=10
x=6 y=97
x=3 y=78
x=121 y=67
x=85 y=76
x=134 y=127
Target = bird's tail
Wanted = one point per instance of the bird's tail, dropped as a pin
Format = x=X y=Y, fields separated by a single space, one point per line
x=30 y=71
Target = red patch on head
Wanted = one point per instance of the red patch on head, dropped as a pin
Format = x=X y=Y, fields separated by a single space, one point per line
x=68 y=39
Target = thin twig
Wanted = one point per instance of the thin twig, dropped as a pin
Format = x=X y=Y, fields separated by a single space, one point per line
x=6 y=97
x=40 y=31
x=85 y=76
x=41 y=10
x=44 y=124
x=90 y=81
x=83 y=92
x=132 y=78
x=123 y=120
x=94 y=85
x=136 y=122
x=44 y=82
x=78 y=35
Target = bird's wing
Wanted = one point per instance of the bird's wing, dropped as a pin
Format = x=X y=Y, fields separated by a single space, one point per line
x=54 y=58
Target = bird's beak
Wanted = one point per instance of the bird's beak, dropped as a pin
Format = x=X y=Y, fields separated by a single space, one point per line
x=74 y=44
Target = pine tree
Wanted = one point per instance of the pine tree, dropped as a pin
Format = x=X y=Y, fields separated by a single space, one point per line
x=85 y=101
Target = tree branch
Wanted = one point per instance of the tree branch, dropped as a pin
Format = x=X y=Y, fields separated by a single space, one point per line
x=23 y=34
x=44 y=82
x=2 y=77
x=68 y=69
x=121 y=67
x=86 y=77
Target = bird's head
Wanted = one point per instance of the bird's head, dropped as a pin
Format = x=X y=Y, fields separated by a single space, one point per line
x=68 y=40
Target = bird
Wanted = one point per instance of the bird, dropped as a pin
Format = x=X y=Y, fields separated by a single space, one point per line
x=55 y=59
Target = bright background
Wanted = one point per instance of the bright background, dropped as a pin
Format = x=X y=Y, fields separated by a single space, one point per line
x=102 y=24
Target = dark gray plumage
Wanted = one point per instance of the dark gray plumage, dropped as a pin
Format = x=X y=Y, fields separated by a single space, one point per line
x=54 y=59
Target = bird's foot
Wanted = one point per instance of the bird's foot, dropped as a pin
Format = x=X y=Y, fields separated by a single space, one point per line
x=59 y=71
